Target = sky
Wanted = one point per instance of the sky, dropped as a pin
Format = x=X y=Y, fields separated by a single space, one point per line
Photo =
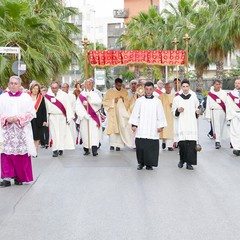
x=103 y=8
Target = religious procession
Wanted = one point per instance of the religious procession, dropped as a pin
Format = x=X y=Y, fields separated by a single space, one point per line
x=139 y=118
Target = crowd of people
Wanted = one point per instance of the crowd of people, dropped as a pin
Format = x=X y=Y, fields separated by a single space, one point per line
x=137 y=118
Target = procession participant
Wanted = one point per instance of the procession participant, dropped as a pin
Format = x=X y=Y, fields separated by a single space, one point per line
x=132 y=93
x=233 y=114
x=147 y=121
x=16 y=112
x=60 y=114
x=44 y=140
x=116 y=103
x=167 y=134
x=177 y=86
x=159 y=90
x=88 y=110
x=102 y=116
x=41 y=113
x=185 y=109
x=216 y=112
x=72 y=99
x=77 y=89
x=93 y=87
x=133 y=88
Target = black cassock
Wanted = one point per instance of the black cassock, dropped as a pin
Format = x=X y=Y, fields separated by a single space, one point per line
x=188 y=152
x=147 y=151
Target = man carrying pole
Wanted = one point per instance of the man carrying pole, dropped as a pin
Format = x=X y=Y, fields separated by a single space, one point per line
x=88 y=110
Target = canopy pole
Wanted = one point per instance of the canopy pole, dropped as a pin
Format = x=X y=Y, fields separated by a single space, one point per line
x=186 y=38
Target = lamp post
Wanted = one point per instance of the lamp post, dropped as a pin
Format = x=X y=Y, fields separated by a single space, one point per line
x=186 y=38
x=85 y=44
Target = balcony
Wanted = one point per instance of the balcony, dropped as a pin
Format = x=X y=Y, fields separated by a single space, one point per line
x=120 y=13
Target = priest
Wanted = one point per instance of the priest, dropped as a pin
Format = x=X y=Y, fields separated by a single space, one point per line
x=233 y=115
x=185 y=109
x=88 y=110
x=147 y=120
x=167 y=134
x=16 y=112
x=116 y=104
x=60 y=115
x=216 y=112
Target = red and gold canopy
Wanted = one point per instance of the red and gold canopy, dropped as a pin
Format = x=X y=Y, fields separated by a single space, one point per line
x=103 y=58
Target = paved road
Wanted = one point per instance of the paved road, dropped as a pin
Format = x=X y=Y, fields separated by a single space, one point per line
x=105 y=198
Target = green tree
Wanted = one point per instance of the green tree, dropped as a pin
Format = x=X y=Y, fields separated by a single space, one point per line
x=41 y=30
x=145 y=32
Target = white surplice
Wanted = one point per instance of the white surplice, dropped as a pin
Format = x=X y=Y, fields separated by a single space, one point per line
x=148 y=116
x=17 y=138
x=58 y=123
x=88 y=127
x=233 y=114
x=73 y=100
x=216 y=114
x=186 y=127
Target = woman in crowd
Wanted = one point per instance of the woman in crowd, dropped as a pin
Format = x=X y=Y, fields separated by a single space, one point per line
x=41 y=114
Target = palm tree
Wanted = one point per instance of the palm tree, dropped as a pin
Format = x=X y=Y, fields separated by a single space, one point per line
x=217 y=34
x=41 y=31
x=144 y=32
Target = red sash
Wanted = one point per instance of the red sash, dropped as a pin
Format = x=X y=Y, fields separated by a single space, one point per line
x=215 y=97
x=38 y=102
x=158 y=91
x=57 y=103
x=89 y=109
x=233 y=98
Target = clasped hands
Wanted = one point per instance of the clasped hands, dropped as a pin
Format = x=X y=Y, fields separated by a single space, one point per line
x=116 y=99
x=134 y=128
x=181 y=109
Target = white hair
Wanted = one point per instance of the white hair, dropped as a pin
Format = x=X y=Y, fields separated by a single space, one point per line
x=16 y=78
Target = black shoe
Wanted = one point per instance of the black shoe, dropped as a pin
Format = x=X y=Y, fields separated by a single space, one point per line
x=117 y=148
x=170 y=149
x=149 y=168
x=210 y=136
x=189 y=167
x=16 y=182
x=180 y=164
x=55 y=153
x=60 y=152
x=236 y=152
x=95 y=154
x=46 y=146
x=111 y=148
x=163 y=145
x=5 y=183
x=217 y=145
x=140 y=166
x=86 y=153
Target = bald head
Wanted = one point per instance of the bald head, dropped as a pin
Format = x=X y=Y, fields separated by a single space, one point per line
x=65 y=87
x=237 y=84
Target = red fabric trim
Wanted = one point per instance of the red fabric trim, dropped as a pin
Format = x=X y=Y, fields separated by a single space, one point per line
x=38 y=102
x=105 y=58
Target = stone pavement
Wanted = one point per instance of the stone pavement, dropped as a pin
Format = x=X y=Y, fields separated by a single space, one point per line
x=76 y=197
